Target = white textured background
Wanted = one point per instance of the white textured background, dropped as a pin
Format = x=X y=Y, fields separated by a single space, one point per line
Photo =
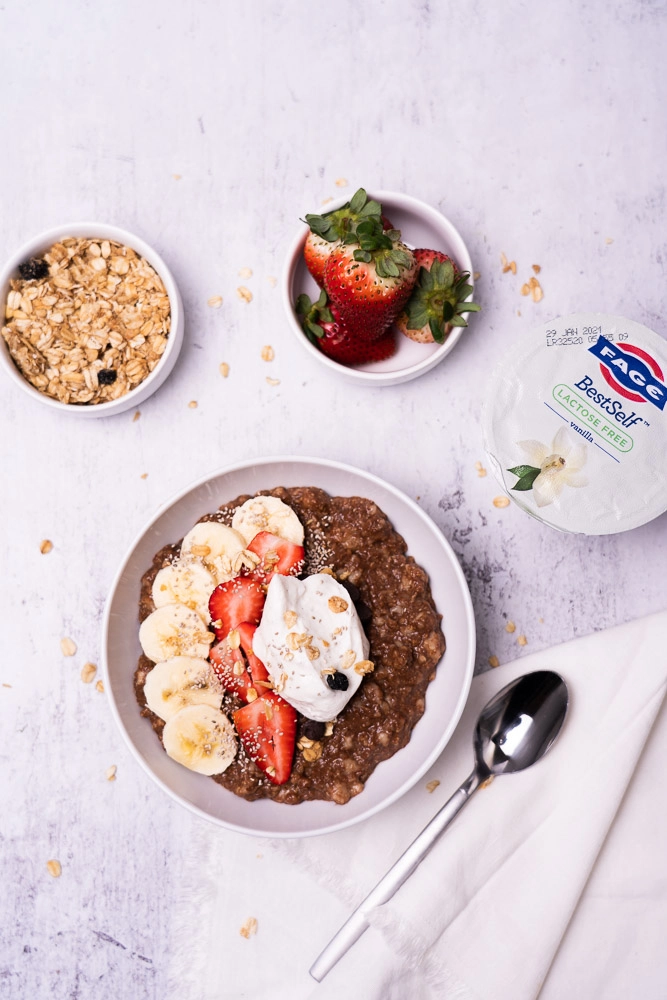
x=209 y=128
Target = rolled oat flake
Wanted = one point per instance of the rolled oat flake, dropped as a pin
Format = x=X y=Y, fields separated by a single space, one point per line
x=576 y=424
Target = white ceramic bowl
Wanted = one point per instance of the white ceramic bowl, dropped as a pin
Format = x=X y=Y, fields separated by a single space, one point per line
x=420 y=226
x=446 y=694
x=97 y=230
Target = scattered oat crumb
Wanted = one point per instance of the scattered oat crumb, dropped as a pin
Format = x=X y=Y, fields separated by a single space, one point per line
x=249 y=928
x=272 y=381
x=268 y=354
x=272 y=281
x=224 y=369
x=535 y=289
x=536 y=268
x=432 y=785
x=510 y=627
x=215 y=301
x=487 y=782
x=88 y=671
x=507 y=265
x=144 y=475
x=501 y=501
x=494 y=661
x=136 y=416
x=476 y=275
x=46 y=546
x=609 y=241
x=177 y=177
x=245 y=272
x=193 y=404
x=54 y=868
x=341 y=182
x=68 y=647
x=100 y=687
x=521 y=639
x=244 y=293
x=6 y=685
x=110 y=773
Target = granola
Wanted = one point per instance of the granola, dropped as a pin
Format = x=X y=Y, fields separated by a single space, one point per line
x=94 y=328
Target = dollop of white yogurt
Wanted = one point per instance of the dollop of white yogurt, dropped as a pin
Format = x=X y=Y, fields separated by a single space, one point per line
x=310 y=630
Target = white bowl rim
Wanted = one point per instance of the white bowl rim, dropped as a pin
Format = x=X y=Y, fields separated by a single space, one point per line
x=448 y=729
x=408 y=202
x=103 y=230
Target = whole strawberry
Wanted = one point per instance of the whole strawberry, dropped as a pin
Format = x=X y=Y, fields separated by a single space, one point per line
x=369 y=279
x=323 y=327
x=438 y=300
x=328 y=230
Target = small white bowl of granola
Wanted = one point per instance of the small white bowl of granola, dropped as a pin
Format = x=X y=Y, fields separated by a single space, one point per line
x=92 y=319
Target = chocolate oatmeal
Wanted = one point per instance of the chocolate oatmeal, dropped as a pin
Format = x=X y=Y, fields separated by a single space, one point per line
x=354 y=539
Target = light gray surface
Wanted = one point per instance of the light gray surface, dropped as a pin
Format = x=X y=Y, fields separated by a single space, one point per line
x=537 y=129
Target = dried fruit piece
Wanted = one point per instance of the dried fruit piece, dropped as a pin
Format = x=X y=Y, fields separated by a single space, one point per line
x=337 y=681
x=34 y=269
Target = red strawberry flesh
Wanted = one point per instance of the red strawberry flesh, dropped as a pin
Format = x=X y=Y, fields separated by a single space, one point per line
x=277 y=555
x=267 y=730
x=238 y=600
x=370 y=284
x=238 y=669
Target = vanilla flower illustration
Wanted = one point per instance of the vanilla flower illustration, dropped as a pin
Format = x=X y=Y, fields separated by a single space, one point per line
x=551 y=468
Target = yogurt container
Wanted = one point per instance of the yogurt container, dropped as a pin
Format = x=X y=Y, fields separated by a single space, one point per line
x=576 y=424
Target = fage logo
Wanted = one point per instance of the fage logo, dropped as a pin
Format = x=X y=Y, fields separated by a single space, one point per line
x=631 y=372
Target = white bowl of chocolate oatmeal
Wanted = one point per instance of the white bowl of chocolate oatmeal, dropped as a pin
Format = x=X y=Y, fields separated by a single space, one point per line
x=92 y=319
x=421 y=226
x=364 y=532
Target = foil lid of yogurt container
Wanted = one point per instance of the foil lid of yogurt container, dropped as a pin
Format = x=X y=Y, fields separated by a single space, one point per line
x=576 y=424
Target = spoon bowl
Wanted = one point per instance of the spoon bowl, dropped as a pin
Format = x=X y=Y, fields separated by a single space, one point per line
x=520 y=724
x=514 y=730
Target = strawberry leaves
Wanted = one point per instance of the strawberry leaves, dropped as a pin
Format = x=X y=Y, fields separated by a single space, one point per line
x=342 y=222
x=439 y=299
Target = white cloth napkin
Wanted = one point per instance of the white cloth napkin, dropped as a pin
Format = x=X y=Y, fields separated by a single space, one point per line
x=482 y=918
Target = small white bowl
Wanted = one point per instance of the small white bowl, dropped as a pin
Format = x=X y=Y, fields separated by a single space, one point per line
x=445 y=697
x=420 y=226
x=38 y=246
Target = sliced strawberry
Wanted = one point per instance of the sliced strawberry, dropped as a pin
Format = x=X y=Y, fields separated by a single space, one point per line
x=238 y=600
x=267 y=729
x=237 y=668
x=277 y=555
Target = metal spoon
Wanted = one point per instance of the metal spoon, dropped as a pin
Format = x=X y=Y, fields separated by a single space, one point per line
x=514 y=730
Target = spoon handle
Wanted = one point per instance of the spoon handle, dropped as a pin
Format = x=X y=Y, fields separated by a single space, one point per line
x=358 y=922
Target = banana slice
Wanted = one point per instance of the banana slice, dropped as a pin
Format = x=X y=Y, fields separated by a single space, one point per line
x=185 y=581
x=174 y=630
x=220 y=548
x=267 y=514
x=201 y=738
x=181 y=681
